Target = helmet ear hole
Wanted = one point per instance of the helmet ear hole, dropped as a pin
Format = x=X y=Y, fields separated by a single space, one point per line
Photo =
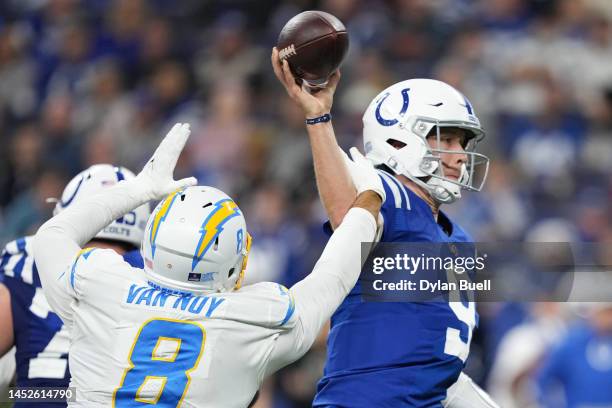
x=216 y=246
x=231 y=272
x=396 y=143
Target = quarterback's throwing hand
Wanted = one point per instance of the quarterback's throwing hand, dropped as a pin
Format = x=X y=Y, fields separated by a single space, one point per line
x=313 y=105
x=157 y=175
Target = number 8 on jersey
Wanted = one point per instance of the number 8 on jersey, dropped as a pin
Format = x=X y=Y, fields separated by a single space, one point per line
x=163 y=355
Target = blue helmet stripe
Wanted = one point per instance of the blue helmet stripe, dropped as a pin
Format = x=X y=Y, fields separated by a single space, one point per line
x=468 y=106
x=120 y=175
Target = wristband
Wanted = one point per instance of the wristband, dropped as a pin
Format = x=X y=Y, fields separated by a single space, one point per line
x=321 y=119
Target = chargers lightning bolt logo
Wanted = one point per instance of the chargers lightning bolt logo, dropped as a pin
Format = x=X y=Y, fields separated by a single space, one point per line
x=160 y=217
x=212 y=226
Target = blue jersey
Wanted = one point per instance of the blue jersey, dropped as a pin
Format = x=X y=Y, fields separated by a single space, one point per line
x=41 y=341
x=581 y=368
x=392 y=354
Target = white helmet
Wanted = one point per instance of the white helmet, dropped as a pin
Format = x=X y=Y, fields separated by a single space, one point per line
x=406 y=112
x=130 y=227
x=196 y=241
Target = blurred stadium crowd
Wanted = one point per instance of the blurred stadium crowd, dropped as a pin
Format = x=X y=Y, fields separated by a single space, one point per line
x=91 y=81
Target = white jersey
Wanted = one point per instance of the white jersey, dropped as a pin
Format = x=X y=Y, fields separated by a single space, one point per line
x=136 y=343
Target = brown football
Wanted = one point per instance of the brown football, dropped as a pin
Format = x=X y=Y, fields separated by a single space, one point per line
x=314 y=43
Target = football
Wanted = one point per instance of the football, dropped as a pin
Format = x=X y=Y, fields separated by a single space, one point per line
x=314 y=43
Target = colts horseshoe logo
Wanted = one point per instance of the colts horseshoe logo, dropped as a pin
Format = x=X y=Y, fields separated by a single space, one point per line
x=391 y=122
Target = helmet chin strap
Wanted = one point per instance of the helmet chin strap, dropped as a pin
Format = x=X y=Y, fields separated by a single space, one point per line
x=447 y=192
x=441 y=191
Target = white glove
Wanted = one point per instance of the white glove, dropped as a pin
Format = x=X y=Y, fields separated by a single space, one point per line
x=364 y=175
x=156 y=178
x=466 y=394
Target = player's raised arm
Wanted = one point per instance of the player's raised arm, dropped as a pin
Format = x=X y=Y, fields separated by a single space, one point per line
x=318 y=295
x=336 y=190
x=60 y=239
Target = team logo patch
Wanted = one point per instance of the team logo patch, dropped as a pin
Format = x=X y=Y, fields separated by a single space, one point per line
x=402 y=112
x=160 y=217
x=207 y=277
x=194 y=277
x=212 y=226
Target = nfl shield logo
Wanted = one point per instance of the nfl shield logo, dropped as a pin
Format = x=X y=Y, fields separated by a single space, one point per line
x=194 y=277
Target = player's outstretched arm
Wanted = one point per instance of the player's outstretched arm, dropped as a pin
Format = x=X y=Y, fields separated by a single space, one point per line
x=318 y=295
x=334 y=183
x=59 y=240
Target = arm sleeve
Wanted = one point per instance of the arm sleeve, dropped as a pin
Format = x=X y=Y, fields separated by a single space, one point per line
x=318 y=295
x=58 y=242
x=7 y=369
x=396 y=198
x=466 y=394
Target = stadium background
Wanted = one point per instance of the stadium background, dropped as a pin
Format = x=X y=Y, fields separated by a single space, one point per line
x=84 y=82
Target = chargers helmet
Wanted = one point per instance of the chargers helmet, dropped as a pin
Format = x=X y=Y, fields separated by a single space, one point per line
x=406 y=112
x=196 y=241
x=130 y=227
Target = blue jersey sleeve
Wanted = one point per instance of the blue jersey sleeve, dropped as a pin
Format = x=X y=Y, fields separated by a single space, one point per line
x=16 y=260
x=134 y=258
x=41 y=344
x=397 y=198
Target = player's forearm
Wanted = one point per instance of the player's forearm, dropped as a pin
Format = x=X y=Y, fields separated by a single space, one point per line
x=336 y=272
x=334 y=183
x=83 y=220
x=58 y=240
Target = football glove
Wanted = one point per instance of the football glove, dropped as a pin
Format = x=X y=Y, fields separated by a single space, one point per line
x=156 y=178
x=364 y=175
